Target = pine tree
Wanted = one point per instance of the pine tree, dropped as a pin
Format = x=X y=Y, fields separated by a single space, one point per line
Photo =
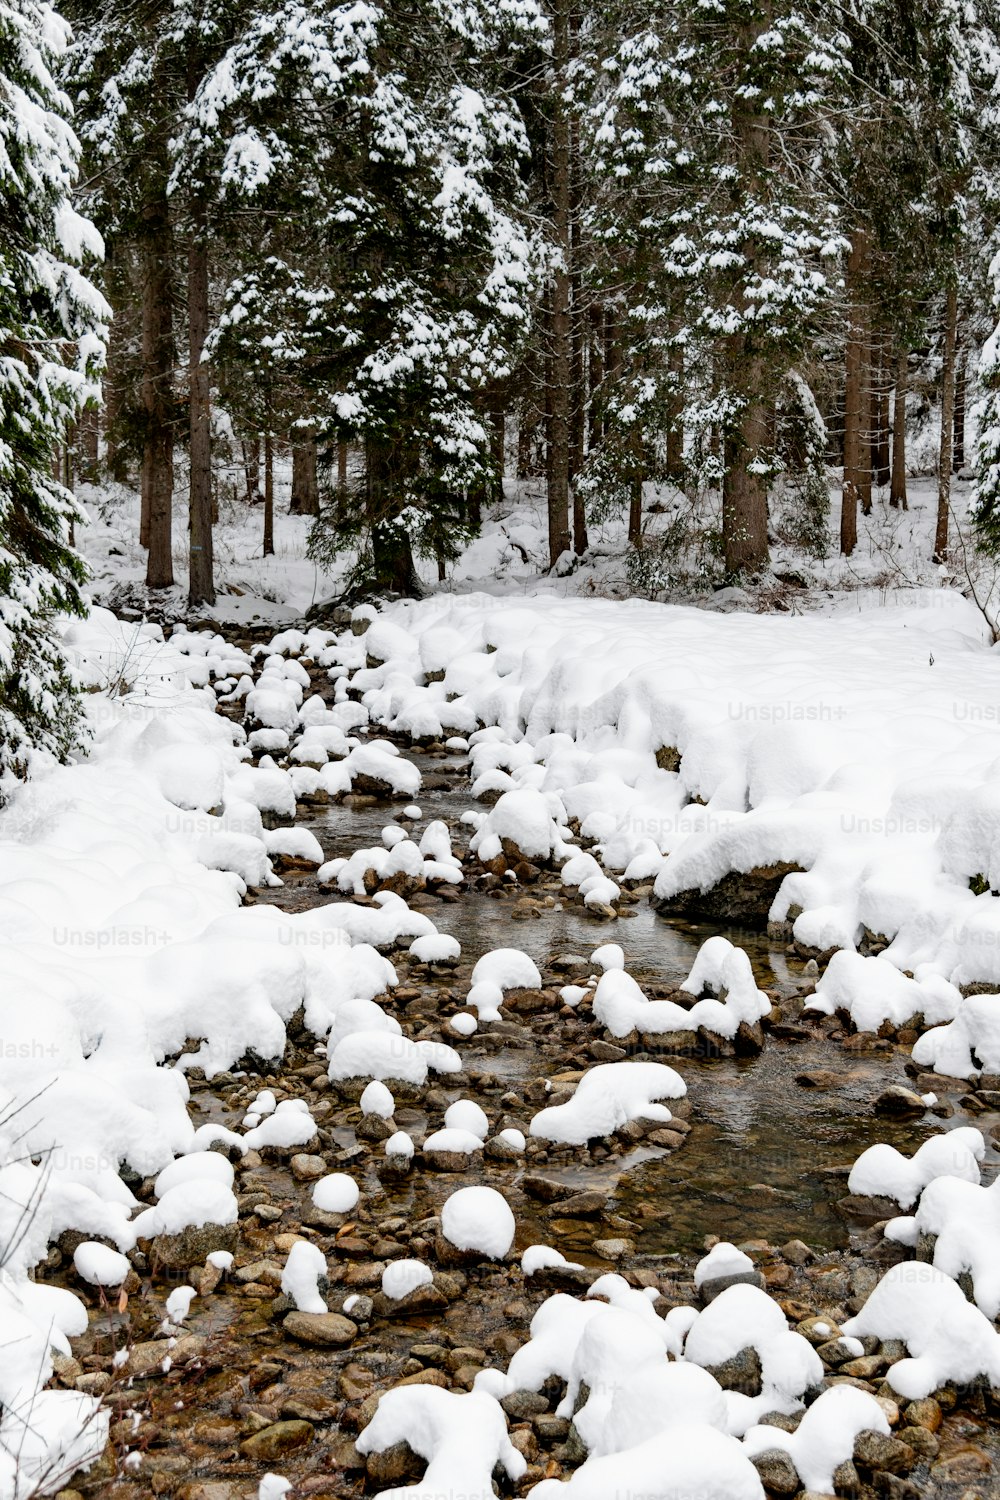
x=379 y=157
x=713 y=123
x=53 y=323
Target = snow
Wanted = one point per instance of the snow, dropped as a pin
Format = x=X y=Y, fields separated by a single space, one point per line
x=872 y=990
x=539 y=1257
x=399 y=1144
x=178 y=1304
x=100 y=1265
x=947 y=1337
x=401 y=1277
x=467 y=1115
x=882 y=1171
x=480 y=1219
x=336 y=1193
x=461 y=1437
x=507 y=969
x=744 y=1317
x=436 y=948
x=377 y=1100
x=190 y=1204
x=305 y=1266
x=825 y=1437
x=680 y=1461
x=607 y=1097
x=722 y=1260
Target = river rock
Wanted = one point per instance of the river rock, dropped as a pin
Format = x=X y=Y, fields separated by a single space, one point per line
x=777 y=1472
x=899 y=1102
x=275 y=1441
x=331 y=1330
x=874 y=1450
x=178 y=1252
x=710 y=1289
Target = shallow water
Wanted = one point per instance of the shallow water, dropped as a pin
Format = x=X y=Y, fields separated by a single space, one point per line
x=766 y=1158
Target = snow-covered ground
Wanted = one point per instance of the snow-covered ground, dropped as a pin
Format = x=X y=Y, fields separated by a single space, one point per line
x=848 y=741
x=893 y=556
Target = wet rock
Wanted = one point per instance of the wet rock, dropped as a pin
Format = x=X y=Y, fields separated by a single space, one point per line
x=275 y=1441
x=588 y=1205
x=710 y=1289
x=437 y=1160
x=874 y=1450
x=926 y=1413
x=418 y=1303
x=546 y=1189
x=331 y=1330
x=740 y=898
x=612 y=1249
x=964 y=1467
x=523 y=1405
x=396 y=1466
x=307 y=1168
x=899 y=1103
x=777 y=1472
x=178 y=1252
x=741 y=1373
x=145 y=1358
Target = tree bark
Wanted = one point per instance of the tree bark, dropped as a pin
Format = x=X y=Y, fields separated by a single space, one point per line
x=305 y=480
x=897 y=485
x=251 y=468
x=958 y=440
x=947 y=423
x=157 y=390
x=853 y=396
x=595 y=377
x=392 y=555
x=881 y=385
x=201 y=581
x=560 y=330
x=675 y=432
x=268 y=488
x=744 y=490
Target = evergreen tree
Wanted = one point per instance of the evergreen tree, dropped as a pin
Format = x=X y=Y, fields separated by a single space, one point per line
x=53 y=323
x=713 y=123
x=379 y=156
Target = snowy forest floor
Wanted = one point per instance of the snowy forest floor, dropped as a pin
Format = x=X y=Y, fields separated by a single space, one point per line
x=893 y=556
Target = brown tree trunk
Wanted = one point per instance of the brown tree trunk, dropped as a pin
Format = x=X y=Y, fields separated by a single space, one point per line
x=958 y=440
x=854 y=460
x=201 y=583
x=392 y=555
x=595 y=377
x=305 y=479
x=342 y=468
x=947 y=424
x=157 y=391
x=268 y=488
x=88 y=443
x=251 y=468
x=897 y=485
x=744 y=491
x=675 y=432
x=881 y=386
x=560 y=330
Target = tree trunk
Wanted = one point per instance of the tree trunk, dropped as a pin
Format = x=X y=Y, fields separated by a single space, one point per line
x=268 y=488
x=744 y=490
x=897 y=486
x=251 y=468
x=560 y=330
x=865 y=474
x=392 y=555
x=157 y=392
x=342 y=468
x=744 y=493
x=947 y=423
x=595 y=377
x=958 y=440
x=305 y=480
x=201 y=585
x=853 y=396
x=88 y=443
x=881 y=385
x=675 y=432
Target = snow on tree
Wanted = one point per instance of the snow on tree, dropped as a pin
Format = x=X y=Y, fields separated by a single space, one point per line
x=380 y=158
x=710 y=135
x=53 y=323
